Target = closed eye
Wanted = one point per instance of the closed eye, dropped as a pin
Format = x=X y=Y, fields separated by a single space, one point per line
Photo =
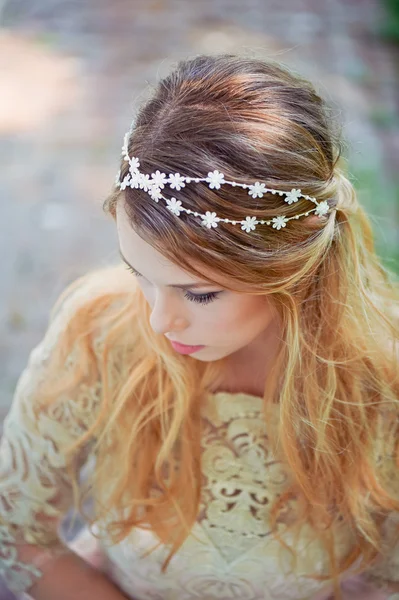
x=200 y=298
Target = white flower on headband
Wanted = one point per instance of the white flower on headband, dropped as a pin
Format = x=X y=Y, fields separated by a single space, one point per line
x=134 y=163
x=257 y=190
x=174 y=205
x=215 y=179
x=155 y=193
x=293 y=196
x=125 y=182
x=145 y=183
x=159 y=179
x=249 y=224
x=210 y=219
x=322 y=208
x=135 y=180
x=176 y=181
x=279 y=222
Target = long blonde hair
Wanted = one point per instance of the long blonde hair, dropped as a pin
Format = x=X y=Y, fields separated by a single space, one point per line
x=337 y=368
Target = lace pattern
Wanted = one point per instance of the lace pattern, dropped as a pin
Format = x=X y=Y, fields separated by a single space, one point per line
x=230 y=553
x=35 y=492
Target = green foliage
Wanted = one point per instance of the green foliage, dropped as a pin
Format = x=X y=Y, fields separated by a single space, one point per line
x=390 y=25
x=379 y=194
x=383 y=118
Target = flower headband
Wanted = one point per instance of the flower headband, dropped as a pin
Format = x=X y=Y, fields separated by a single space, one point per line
x=153 y=186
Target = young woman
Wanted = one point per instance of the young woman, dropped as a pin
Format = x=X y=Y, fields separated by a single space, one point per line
x=232 y=387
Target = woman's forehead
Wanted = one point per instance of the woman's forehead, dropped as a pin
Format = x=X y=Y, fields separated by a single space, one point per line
x=144 y=257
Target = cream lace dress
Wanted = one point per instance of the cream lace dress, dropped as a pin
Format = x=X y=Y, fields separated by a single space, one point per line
x=230 y=554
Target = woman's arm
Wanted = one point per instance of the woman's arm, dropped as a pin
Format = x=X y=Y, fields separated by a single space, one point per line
x=36 y=490
x=392 y=586
x=70 y=577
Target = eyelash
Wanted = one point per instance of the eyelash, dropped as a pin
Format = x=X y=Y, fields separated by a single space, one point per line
x=201 y=298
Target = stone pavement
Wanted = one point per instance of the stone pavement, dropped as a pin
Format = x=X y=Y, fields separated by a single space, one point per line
x=72 y=72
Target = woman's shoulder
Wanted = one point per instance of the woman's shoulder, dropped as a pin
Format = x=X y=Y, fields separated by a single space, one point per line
x=64 y=368
x=112 y=281
x=88 y=302
x=79 y=322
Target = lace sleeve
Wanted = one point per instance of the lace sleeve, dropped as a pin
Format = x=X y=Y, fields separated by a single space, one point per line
x=35 y=491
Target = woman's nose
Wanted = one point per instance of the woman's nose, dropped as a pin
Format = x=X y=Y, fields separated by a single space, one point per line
x=166 y=316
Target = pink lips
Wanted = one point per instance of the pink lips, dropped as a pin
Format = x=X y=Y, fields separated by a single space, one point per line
x=183 y=349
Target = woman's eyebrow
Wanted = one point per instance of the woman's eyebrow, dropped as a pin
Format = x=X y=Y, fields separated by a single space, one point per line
x=181 y=286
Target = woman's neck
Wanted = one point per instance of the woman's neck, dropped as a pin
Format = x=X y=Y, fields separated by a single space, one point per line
x=246 y=370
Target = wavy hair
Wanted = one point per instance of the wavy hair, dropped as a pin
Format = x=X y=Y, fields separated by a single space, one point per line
x=337 y=368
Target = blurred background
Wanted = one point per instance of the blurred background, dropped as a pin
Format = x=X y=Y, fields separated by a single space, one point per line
x=72 y=72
